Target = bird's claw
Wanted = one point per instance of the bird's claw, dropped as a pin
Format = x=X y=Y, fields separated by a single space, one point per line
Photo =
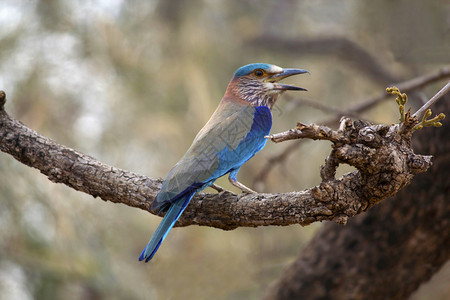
x=218 y=188
x=249 y=191
x=242 y=187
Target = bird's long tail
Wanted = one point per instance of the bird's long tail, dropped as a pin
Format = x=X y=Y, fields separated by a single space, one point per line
x=172 y=215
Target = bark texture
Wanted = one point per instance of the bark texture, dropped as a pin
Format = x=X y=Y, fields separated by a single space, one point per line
x=387 y=252
x=382 y=155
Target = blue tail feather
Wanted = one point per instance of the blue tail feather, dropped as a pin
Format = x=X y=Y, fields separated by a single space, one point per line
x=170 y=218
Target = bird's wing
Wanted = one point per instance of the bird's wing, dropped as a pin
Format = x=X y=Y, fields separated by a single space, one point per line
x=232 y=136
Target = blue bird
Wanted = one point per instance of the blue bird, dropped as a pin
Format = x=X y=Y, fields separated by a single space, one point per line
x=234 y=134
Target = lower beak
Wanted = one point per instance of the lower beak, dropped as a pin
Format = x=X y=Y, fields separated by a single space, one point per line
x=286 y=73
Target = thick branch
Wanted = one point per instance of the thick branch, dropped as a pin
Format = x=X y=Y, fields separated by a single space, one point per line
x=384 y=160
x=76 y=170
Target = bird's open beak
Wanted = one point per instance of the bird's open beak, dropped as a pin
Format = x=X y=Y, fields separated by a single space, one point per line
x=286 y=73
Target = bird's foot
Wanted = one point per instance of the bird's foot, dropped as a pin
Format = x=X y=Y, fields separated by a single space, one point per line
x=218 y=188
x=242 y=187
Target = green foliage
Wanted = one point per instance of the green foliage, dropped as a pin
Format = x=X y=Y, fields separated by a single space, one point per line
x=401 y=100
x=429 y=122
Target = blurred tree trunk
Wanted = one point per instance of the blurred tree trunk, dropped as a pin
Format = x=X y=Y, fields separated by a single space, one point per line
x=389 y=251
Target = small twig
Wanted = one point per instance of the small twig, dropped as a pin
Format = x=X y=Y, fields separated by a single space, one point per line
x=432 y=101
x=406 y=87
x=312 y=131
x=325 y=108
x=347 y=50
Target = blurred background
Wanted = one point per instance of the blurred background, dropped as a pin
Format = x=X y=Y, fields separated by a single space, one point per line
x=132 y=82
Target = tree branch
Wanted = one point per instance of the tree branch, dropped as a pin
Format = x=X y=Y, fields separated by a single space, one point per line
x=432 y=101
x=406 y=86
x=322 y=107
x=382 y=155
x=387 y=252
x=342 y=47
x=76 y=170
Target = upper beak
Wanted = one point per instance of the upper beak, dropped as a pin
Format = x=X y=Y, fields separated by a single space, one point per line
x=286 y=73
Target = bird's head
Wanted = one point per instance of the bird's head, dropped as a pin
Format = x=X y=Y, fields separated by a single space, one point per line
x=258 y=83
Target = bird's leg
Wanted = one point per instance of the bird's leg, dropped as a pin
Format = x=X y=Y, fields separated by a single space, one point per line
x=217 y=187
x=232 y=178
x=242 y=187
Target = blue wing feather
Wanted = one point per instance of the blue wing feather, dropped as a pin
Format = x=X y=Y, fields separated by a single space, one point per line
x=233 y=135
x=171 y=216
x=254 y=141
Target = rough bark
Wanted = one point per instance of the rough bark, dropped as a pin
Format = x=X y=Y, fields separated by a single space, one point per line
x=387 y=252
x=382 y=155
x=409 y=87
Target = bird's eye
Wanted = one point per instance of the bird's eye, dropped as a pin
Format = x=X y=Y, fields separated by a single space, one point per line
x=259 y=73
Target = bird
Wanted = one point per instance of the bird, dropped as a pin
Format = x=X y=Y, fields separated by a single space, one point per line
x=235 y=132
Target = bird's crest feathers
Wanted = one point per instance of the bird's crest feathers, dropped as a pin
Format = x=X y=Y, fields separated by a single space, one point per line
x=248 y=69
